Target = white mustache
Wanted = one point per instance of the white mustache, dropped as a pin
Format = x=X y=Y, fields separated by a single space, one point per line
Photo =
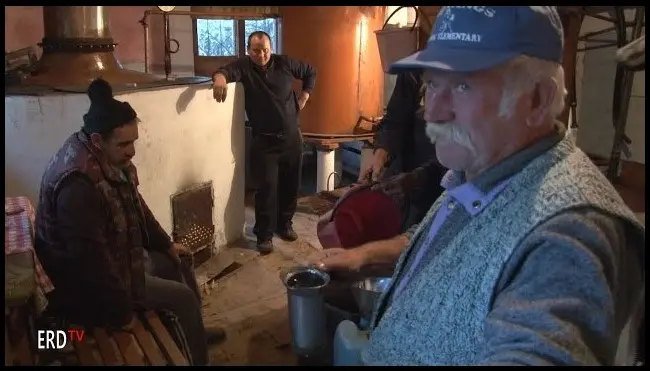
x=449 y=132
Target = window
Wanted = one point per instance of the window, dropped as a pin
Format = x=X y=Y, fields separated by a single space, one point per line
x=216 y=37
x=228 y=37
x=268 y=25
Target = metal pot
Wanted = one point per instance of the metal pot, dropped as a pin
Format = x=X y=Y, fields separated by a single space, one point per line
x=366 y=293
x=307 y=312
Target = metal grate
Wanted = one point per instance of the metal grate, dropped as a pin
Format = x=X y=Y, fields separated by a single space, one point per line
x=192 y=215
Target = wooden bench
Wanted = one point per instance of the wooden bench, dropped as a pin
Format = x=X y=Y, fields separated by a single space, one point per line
x=148 y=343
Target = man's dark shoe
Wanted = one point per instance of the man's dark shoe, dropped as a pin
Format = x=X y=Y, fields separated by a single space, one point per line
x=215 y=335
x=287 y=234
x=265 y=246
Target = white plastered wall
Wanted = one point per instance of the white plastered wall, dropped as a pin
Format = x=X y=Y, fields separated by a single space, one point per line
x=186 y=138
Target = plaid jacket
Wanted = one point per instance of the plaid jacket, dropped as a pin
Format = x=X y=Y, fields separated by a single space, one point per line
x=121 y=254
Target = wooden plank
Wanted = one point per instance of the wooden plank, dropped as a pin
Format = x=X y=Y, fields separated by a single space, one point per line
x=130 y=349
x=23 y=356
x=211 y=268
x=18 y=327
x=175 y=355
x=8 y=353
x=85 y=352
x=108 y=348
x=148 y=345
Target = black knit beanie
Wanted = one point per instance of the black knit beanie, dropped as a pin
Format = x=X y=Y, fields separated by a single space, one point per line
x=105 y=112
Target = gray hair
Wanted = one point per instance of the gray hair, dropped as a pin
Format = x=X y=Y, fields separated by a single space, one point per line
x=520 y=76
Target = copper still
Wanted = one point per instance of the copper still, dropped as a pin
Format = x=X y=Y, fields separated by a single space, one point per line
x=78 y=47
x=339 y=41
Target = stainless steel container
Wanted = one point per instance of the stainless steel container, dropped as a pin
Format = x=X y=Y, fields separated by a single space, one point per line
x=307 y=313
x=366 y=293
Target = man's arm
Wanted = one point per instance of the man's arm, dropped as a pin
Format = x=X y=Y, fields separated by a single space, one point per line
x=158 y=239
x=83 y=229
x=367 y=256
x=400 y=113
x=384 y=251
x=233 y=71
x=303 y=71
x=557 y=299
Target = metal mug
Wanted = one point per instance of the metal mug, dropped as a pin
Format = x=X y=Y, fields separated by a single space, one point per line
x=307 y=312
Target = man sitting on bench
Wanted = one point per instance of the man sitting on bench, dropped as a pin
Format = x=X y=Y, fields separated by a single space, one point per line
x=97 y=239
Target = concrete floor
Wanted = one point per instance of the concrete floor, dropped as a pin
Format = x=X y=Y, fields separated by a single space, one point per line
x=251 y=303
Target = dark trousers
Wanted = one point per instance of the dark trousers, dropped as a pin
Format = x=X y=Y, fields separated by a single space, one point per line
x=168 y=288
x=276 y=166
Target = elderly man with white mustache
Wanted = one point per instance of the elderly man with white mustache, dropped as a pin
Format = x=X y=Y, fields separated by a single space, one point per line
x=529 y=257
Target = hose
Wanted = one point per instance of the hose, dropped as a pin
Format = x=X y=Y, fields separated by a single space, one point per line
x=328 y=180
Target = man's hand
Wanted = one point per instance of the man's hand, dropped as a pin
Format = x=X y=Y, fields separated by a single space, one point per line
x=375 y=166
x=177 y=250
x=219 y=87
x=398 y=187
x=302 y=100
x=338 y=259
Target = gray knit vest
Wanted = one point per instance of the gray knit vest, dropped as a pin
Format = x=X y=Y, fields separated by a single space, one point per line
x=438 y=318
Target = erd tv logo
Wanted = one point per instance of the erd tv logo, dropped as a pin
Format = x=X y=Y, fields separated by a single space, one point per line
x=58 y=339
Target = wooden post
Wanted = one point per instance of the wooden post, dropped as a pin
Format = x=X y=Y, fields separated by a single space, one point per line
x=571 y=17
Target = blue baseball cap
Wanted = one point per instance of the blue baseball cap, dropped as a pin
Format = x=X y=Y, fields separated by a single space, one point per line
x=475 y=38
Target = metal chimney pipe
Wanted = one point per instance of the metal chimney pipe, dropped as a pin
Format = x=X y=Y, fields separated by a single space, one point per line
x=76 y=22
x=77 y=48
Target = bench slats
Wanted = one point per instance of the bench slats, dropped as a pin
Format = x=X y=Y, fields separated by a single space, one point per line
x=148 y=345
x=108 y=348
x=85 y=353
x=130 y=349
x=175 y=355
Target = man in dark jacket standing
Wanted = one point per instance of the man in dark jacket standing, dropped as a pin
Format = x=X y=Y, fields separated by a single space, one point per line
x=276 y=151
x=97 y=239
x=404 y=159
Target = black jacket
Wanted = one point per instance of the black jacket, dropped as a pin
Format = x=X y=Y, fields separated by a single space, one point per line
x=402 y=134
x=402 y=130
x=271 y=104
